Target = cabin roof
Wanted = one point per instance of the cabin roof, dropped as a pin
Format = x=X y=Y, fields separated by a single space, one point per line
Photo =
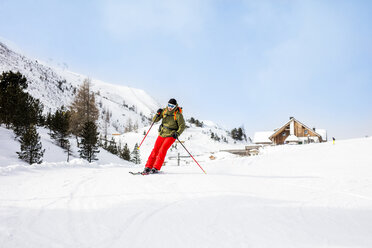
x=262 y=137
x=322 y=132
x=279 y=130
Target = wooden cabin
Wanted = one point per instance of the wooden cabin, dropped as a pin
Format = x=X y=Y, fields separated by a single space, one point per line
x=295 y=132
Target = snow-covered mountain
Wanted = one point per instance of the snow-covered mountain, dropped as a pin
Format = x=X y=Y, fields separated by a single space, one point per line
x=56 y=87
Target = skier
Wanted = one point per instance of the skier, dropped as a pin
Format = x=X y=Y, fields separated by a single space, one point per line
x=170 y=129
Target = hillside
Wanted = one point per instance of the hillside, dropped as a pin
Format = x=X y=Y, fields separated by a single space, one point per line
x=317 y=195
x=55 y=87
x=196 y=139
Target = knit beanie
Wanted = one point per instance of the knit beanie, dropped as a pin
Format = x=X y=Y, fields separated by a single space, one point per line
x=172 y=101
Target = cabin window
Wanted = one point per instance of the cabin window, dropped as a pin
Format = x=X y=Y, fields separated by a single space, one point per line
x=283 y=134
x=306 y=132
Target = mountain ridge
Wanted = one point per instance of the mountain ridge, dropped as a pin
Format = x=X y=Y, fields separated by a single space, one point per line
x=56 y=87
x=128 y=109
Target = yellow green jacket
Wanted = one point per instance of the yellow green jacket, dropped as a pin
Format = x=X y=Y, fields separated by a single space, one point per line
x=172 y=121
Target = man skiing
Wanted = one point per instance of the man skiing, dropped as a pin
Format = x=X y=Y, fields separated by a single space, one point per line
x=170 y=129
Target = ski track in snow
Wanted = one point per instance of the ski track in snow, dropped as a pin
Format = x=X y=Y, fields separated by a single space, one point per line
x=286 y=197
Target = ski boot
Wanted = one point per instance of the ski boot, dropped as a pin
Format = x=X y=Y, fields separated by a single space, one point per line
x=146 y=171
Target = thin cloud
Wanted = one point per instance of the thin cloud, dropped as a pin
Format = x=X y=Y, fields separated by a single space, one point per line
x=316 y=52
x=140 y=18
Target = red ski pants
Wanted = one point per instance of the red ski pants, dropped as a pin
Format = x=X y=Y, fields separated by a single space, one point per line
x=157 y=156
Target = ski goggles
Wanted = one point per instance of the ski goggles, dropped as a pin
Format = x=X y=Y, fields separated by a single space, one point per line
x=170 y=105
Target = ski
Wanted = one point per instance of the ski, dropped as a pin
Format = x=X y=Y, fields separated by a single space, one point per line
x=138 y=173
x=144 y=173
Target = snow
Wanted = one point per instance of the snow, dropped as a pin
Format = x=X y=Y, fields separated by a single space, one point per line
x=126 y=105
x=322 y=133
x=196 y=139
x=292 y=138
x=55 y=87
x=53 y=155
x=8 y=147
x=315 y=195
x=262 y=137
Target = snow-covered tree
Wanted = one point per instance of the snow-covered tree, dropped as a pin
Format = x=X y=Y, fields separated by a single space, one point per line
x=135 y=155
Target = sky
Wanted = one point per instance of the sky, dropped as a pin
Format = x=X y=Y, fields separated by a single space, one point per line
x=243 y=62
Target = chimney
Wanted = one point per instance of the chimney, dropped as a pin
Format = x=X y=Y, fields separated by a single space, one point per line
x=291 y=117
x=314 y=129
x=291 y=126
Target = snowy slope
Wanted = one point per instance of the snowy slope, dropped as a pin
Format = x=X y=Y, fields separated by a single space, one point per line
x=196 y=139
x=316 y=195
x=53 y=153
x=56 y=87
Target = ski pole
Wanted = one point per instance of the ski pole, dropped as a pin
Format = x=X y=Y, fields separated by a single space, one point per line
x=191 y=156
x=146 y=135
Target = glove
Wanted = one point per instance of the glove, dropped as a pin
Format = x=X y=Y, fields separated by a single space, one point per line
x=159 y=111
x=175 y=135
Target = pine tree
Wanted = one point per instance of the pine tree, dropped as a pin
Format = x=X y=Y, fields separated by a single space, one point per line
x=31 y=148
x=112 y=147
x=235 y=134
x=48 y=122
x=199 y=123
x=243 y=134
x=135 y=155
x=105 y=144
x=60 y=126
x=11 y=84
x=89 y=142
x=212 y=135
x=83 y=109
x=27 y=112
x=238 y=134
x=17 y=108
x=125 y=153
